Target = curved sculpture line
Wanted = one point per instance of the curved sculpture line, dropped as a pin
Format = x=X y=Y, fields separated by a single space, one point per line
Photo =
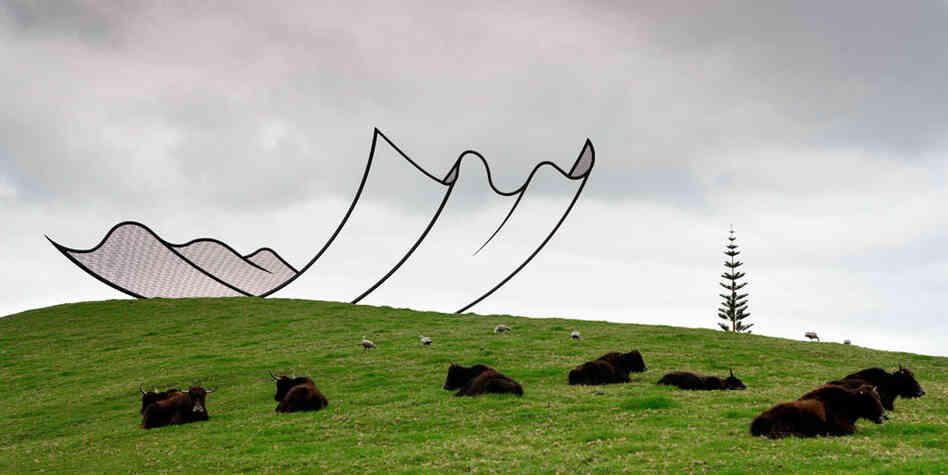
x=579 y=171
x=173 y=248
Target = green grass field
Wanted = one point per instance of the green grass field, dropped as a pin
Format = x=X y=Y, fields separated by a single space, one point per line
x=71 y=400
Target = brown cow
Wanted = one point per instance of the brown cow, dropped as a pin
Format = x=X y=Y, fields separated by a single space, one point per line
x=692 y=380
x=900 y=383
x=149 y=397
x=177 y=408
x=613 y=367
x=479 y=379
x=827 y=410
x=298 y=394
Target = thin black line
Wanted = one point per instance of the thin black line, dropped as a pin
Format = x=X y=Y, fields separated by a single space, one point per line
x=530 y=178
x=167 y=245
x=454 y=172
x=82 y=266
x=275 y=254
x=490 y=179
x=592 y=150
x=355 y=199
x=404 y=258
x=243 y=258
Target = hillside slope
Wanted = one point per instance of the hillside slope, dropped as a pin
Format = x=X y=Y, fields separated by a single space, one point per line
x=71 y=376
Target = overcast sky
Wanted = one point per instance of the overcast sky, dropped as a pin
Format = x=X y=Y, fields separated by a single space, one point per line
x=819 y=130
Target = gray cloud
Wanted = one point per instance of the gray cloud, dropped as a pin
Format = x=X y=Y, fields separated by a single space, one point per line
x=819 y=130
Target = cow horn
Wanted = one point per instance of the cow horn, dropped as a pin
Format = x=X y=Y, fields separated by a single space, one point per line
x=140 y=389
x=272 y=376
x=209 y=391
x=732 y=372
x=155 y=389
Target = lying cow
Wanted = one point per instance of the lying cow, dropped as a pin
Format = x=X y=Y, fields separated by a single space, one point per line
x=149 y=397
x=178 y=407
x=691 y=380
x=479 y=379
x=900 y=383
x=827 y=410
x=609 y=368
x=298 y=394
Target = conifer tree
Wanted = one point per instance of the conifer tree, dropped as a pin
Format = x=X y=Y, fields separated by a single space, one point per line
x=734 y=307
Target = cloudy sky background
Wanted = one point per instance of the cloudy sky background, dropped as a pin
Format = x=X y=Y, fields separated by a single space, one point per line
x=819 y=131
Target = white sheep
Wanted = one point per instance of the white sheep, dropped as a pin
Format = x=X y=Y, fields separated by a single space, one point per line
x=425 y=341
x=366 y=344
x=501 y=329
x=574 y=335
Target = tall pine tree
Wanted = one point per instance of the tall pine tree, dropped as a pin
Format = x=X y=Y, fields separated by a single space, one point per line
x=734 y=307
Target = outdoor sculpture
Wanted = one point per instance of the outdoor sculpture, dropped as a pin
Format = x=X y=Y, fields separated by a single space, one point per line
x=135 y=260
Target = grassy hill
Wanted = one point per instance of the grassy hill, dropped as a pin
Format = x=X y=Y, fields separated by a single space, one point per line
x=71 y=400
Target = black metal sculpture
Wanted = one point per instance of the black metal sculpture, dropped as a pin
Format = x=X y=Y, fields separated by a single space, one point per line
x=135 y=260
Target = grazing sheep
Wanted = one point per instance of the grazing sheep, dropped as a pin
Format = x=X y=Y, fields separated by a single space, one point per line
x=574 y=335
x=501 y=329
x=812 y=336
x=366 y=344
x=425 y=341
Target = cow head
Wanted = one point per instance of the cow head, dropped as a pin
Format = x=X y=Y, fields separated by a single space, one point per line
x=733 y=383
x=906 y=385
x=632 y=362
x=869 y=404
x=197 y=396
x=284 y=384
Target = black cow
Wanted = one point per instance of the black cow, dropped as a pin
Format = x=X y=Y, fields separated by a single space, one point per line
x=298 y=394
x=900 y=383
x=692 y=380
x=613 y=367
x=827 y=410
x=479 y=379
x=179 y=407
x=149 y=397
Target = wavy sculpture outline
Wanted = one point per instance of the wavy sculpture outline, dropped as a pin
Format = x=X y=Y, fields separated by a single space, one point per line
x=133 y=259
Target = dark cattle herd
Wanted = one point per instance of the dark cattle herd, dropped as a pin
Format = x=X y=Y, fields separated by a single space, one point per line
x=831 y=409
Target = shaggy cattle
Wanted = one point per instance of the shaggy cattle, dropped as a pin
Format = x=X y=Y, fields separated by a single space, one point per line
x=900 y=383
x=827 y=410
x=812 y=336
x=690 y=380
x=609 y=368
x=150 y=397
x=479 y=379
x=179 y=407
x=298 y=394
